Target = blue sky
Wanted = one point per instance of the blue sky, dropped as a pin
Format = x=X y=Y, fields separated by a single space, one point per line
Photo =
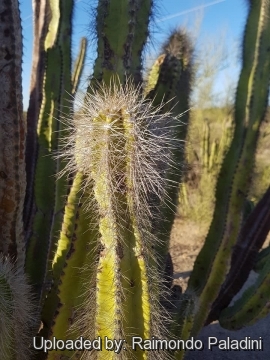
x=217 y=17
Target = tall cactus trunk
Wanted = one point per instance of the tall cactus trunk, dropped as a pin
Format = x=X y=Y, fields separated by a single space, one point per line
x=16 y=316
x=56 y=87
x=40 y=9
x=12 y=135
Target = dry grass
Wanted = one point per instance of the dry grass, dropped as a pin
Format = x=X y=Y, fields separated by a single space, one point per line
x=196 y=207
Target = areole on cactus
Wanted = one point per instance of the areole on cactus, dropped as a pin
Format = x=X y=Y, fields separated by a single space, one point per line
x=85 y=252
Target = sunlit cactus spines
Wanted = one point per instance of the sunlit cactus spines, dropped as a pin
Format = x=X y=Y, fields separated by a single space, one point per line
x=17 y=312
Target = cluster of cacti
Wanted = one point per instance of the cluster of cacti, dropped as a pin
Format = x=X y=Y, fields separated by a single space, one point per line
x=94 y=242
x=212 y=152
x=204 y=155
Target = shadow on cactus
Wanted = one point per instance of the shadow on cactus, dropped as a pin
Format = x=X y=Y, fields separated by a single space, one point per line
x=93 y=242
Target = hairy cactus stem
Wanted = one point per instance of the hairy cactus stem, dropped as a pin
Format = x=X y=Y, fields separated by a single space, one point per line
x=117 y=143
x=17 y=314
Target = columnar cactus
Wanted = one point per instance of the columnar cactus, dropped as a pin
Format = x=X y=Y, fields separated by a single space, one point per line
x=12 y=135
x=47 y=216
x=170 y=81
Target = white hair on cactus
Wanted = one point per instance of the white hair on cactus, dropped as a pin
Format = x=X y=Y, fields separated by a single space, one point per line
x=17 y=315
x=151 y=153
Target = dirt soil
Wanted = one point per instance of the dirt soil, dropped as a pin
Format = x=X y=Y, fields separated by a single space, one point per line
x=186 y=241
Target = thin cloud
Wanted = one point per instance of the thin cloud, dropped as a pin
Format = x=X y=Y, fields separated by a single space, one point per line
x=190 y=10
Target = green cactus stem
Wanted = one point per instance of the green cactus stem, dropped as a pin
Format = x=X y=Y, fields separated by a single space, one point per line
x=173 y=72
x=77 y=249
x=184 y=317
x=61 y=247
x=212 y=153
x=63 y=109
x=56 y=87
x=139 y=33
x=153 y=74
x=212 y=263
x=65 y=247
x=121 y=29
x=206 y=146
x=225 y=141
